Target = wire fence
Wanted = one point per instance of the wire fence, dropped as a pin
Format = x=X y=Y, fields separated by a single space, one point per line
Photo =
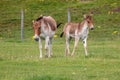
x=12 y=23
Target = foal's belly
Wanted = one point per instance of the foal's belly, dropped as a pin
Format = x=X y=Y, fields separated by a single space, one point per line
x=80 y=35
x=44 y=35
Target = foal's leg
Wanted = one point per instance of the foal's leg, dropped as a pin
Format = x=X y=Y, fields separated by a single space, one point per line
x=40 y=47
x=85 y=46
x=67 y=51
x=75 y=45
x=49 y=53
x=50 y=47
x=47 y=46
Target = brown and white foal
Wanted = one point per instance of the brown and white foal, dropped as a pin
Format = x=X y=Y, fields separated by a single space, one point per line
x=44 y=27
x=77 y=31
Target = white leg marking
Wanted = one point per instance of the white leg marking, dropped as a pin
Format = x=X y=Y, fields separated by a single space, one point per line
x=47 y=46
x=67 y=51
x=50 y=45
x=49 y=54
x=85 y=46
x=75 y=45
x=40 y=47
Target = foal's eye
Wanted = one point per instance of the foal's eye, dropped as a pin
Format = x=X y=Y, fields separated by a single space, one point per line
x=88 y=21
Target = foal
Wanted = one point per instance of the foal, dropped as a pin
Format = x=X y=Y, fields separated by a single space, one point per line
x=44 y=27
x=77 y=31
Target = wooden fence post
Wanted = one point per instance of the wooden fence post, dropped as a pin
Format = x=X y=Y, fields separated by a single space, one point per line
x=69 y=18
x=22 y=24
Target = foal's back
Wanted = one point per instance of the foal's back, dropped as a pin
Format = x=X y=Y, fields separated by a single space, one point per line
x=71 y=27
x=52 y=23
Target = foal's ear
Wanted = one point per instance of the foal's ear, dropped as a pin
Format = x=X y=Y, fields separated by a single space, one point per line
x=91 y=14
x=41 y=15
x=33 y=21
x=84 y=15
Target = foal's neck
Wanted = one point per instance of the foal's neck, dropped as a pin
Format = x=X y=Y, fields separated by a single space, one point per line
x=85 y=25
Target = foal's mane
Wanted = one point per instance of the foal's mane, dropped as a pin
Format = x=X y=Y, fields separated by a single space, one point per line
x=41 y=17
x=82 y=22
x=88 y=17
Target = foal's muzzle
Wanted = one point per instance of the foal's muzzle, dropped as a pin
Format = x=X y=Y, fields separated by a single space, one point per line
x=92 y=28
x=36 y=38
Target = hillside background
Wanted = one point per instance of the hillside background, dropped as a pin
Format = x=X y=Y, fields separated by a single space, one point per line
x=106 y=16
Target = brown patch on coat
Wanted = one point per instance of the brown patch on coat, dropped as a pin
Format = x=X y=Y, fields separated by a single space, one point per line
x=37 y=28
x=72 y=27
x=49 y=21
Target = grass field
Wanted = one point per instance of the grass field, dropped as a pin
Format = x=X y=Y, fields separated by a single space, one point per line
x=20 y=61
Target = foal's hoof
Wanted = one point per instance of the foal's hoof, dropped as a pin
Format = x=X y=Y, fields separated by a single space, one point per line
x=86 y=56
x=67 y=55
x=40 y=56
x=72 y=55
x=49 y=56
x=46 y=56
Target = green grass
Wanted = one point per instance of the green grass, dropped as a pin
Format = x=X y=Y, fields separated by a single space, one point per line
x=20 y=60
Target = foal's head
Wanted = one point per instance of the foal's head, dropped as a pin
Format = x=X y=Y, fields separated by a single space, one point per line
x=37 y=28
x=89 y=20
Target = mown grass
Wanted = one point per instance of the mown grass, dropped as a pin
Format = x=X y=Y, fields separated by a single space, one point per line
x=20 y=60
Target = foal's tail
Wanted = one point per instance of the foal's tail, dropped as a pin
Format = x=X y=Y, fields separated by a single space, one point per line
x=58 y=25
x=61 y=34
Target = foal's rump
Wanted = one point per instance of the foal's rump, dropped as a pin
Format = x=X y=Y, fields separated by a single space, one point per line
x=50 y=22
x=70 y=28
